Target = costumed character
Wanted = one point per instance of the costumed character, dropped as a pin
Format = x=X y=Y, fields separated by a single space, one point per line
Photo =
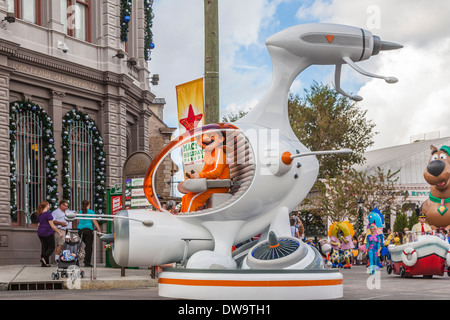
x=324 y=248
x=421 y=227
x=373 y=243
x=437 y=174
x=341 y=234
x=376 y=218
x=215 y=167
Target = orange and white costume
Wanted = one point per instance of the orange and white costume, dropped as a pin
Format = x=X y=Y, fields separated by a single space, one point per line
x=215 y=167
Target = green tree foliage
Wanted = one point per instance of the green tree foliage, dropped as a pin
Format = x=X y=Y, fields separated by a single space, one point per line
x=233 y=117
x=324 y=120
x=338 y=197
x=412 y=220
x=401 y=222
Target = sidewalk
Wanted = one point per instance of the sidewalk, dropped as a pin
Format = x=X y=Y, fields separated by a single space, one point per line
x=34 y=277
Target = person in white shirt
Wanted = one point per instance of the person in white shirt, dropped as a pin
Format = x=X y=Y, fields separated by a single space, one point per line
x=61 y=223
x=421 y=227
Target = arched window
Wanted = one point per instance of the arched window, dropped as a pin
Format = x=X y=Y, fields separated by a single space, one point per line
x=33 y=167
x=83 y=172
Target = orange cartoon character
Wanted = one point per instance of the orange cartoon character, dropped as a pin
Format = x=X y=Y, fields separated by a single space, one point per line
x=215 y=168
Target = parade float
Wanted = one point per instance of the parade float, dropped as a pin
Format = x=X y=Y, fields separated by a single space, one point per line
x=271 y=172
x=428 y=255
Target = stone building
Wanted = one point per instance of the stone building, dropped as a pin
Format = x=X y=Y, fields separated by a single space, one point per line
x=75 y=101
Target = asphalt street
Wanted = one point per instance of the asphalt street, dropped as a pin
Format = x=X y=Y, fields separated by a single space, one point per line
x=358 y=285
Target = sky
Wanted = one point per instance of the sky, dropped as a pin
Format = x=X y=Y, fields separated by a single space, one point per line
x=419 y=103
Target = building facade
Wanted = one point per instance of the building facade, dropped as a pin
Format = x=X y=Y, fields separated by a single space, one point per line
x=75 y=101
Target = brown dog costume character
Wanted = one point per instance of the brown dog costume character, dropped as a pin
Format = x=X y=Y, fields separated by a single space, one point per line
x=437 y=174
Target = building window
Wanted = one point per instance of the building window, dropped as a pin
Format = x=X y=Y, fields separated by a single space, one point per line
x=75 y=15
x=33 y=165
x=83 y=172
x=27 y=10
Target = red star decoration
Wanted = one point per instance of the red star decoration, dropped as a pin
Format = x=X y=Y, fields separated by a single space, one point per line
x=192 y=120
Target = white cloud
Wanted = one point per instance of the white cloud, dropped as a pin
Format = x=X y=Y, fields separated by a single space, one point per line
x=418 y=102
x=179 y=53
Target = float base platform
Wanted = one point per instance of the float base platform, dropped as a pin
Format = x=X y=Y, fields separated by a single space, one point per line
x=201 y=284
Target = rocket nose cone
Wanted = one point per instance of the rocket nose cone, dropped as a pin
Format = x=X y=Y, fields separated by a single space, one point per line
x=386 y=45
x=379 y=45
x=274 y=40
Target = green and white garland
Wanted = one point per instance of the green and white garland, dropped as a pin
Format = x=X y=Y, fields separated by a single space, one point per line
x=125 y=19
x=99 y=205
x=49 y=152
x=148 y=38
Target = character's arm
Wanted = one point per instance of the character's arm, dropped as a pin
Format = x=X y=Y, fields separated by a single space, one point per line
x=334 y=241
x=219 y=165
x=367 y=242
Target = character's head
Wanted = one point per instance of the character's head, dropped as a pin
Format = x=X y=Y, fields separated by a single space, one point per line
x=422 y=217
x=211 y=140
x=437 y=172
x=373 y=227
x=376 y=217
x=344 y=229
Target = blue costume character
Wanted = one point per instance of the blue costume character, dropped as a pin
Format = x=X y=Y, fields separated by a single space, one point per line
x=374 y=242
x=376 y=218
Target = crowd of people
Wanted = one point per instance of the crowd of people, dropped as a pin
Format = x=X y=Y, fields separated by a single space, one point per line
x=52 y=230
x=359 y=252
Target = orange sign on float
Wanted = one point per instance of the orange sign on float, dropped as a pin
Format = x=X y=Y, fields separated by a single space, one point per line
x=330 y=38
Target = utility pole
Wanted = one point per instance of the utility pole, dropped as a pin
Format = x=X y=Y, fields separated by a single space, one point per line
x=211 y=61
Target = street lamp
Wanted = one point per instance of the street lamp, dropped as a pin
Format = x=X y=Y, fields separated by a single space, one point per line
x=360 y=203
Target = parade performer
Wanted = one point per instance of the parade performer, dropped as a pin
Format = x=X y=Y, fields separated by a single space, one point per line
x=421 y=227
x=215 y=167
x=375 y=216
x=373 y=244
x=341 y=234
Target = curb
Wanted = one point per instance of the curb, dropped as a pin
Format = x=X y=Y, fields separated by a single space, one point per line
x=114 y=284
x=29 y=278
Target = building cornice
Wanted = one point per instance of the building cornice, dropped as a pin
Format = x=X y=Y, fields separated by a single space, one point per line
x=8 y=48
x=18 y=54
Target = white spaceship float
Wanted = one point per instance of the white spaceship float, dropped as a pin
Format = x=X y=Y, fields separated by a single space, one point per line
x=271 y=173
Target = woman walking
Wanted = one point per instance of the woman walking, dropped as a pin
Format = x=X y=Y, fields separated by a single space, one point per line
x=86 y=231
x=45 y=231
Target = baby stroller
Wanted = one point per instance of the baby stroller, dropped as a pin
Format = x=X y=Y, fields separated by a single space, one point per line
x=69 y=260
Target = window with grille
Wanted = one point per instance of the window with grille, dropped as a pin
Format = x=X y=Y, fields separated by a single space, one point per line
x=83 y=162
x=33 y=166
